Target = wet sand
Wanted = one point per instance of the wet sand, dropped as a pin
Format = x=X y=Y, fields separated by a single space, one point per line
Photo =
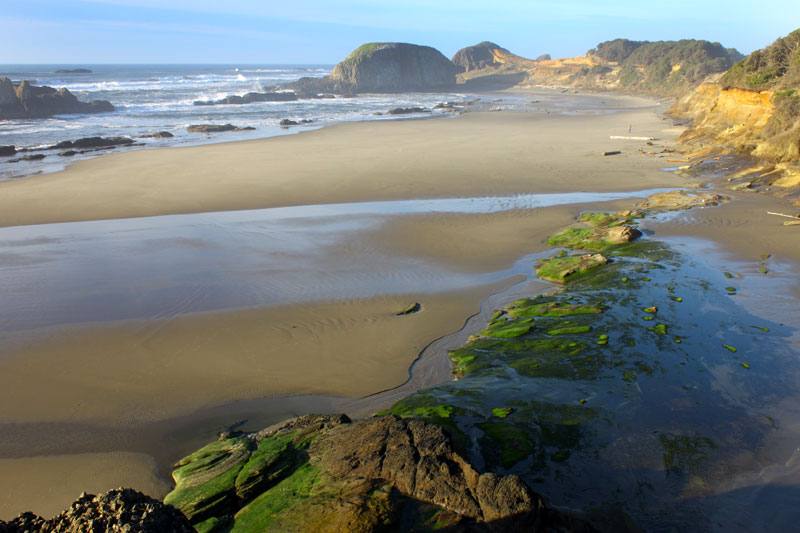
x=126 y=374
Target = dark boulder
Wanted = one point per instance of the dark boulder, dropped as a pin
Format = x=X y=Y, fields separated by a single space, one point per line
x=482 y=55
x=36 y=102
x=287 y=122
x=384 y=68
x=115 y=510
x=68 y=153
x=544 y=57
x=7 y=151
x=73 y=71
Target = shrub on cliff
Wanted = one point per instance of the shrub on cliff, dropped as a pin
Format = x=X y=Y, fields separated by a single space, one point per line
x=775 y=68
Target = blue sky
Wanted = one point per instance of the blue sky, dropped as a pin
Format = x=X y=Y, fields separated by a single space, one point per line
x=319 y=31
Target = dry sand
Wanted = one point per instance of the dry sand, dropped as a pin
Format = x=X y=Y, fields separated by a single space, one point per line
x=131 y=373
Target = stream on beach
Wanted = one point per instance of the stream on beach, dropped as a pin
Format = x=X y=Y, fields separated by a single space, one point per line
x=677 y=404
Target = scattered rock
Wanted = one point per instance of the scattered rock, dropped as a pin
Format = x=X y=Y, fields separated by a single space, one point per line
x=215 y=128
x=7 y=151
x=287 y=122
x=68 y=153
x=25 y=100
x=93 y=142
x=249 y=98
x=31 y=157
x=115 y=510
x=406 y=110
x=73 y=71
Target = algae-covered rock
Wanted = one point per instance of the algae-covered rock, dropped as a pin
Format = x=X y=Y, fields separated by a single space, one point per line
x=560 y=269
x=675 y=200
x=600 y=219
x=596 y=238
x=325 y=473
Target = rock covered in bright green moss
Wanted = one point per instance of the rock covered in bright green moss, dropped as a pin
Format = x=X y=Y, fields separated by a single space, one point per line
x=560 y=269
x=325 y=473
x=594 y=238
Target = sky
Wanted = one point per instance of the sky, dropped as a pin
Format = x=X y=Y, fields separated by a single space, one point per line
x=325 y=31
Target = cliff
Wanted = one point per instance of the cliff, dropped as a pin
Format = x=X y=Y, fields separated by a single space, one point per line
x=384 y=68
x=24 y=100
x=664 y=68
x=753 y=109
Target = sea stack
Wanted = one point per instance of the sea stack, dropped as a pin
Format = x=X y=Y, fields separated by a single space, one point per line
x=385 y=68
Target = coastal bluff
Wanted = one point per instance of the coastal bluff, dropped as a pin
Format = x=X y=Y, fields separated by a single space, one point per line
x=384 y=68
x=25 y=100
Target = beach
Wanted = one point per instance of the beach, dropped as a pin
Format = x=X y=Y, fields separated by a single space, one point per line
x=119 y=378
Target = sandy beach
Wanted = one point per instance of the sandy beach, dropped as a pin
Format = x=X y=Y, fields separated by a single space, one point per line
x=133 y=372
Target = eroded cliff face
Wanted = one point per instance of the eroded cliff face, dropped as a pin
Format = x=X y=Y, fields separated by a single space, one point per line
x=736 y=121
x=734 y=116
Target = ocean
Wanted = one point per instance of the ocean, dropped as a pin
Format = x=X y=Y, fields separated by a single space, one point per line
x=154 y=98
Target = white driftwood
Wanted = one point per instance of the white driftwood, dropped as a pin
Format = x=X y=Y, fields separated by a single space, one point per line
x=792 y=223
x=782 y=215
x=632 y=138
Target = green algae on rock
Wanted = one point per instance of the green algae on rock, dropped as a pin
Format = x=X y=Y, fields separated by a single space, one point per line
x=560 y=270
x=416 y=307
x=594 y=238
x=373 y=474
x=604 y=219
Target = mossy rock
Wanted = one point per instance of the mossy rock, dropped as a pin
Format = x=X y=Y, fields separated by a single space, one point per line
x=507 y=329
x=594 y=238
x=205 y=480
x=532 y=307
x=560 y=270
x=600 y=219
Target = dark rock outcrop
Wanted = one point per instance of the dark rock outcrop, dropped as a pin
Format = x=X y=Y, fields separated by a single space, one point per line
x=384 y=68
x=7 y=151
x=249 y=98
x=544 y=57
x=159 y=135
x=115 y=510
x=406 y=110
x=30 y=101
x=73 y=71
x=326 y=473
x=216 y=128
x=92 y=142
x=480 y=56
x=289 y=122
